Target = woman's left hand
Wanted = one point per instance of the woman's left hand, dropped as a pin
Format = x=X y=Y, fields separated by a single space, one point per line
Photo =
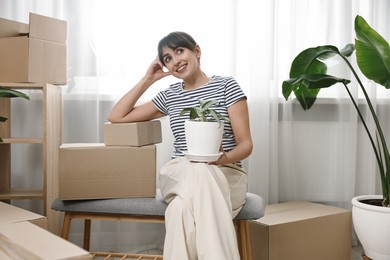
x=221 y=160
x=239 y=120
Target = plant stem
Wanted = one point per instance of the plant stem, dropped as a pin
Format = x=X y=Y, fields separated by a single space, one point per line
x=377 y=155
x=383 y=163
x=360 y=114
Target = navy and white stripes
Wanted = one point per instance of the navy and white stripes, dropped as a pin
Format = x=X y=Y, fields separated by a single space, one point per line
x=224 y=90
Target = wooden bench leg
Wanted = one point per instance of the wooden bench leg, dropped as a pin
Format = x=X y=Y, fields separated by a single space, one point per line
x=66 y=226
x=87 y=233
x=66 y=230
x=238 y=234
x=87 y=230
x=243 y=239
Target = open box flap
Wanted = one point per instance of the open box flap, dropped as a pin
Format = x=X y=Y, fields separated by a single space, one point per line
x=9 y=28
x=47 y=28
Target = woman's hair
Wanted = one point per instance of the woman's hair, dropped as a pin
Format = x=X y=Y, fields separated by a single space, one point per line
x=175 y=40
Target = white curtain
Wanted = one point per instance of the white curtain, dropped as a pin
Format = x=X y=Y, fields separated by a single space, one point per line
x=321 y=155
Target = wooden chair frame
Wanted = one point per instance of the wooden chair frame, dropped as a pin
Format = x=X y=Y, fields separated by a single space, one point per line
x=241 y=226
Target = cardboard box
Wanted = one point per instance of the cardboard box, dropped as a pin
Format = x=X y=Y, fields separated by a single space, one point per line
x=133 y=134
x=301 y=231
x=22 y=236
x=11 y=214
x=92 y=171
x=24 y=240
x=34 y=52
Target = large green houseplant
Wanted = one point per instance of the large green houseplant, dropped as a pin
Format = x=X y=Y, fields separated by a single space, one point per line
x=10 y=93
x=371 y=220
x=308 y=76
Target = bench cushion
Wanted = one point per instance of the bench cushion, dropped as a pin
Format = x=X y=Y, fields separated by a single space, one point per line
x=252 y=209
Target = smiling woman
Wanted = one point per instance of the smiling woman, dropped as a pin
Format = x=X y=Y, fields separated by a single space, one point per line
x=209 y=194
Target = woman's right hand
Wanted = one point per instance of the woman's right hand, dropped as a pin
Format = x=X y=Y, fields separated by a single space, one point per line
x=125 y=110
x=155 y=71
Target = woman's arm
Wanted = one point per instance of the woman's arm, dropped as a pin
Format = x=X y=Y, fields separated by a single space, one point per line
x=125 y=110
x=239 y=119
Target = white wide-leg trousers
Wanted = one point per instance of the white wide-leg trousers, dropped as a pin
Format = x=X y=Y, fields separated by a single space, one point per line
x=203 y=199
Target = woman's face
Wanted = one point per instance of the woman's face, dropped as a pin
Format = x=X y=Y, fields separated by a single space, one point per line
x=181 y=62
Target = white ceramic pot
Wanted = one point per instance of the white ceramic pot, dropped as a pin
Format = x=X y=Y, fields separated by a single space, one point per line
x=372 y=226
x=203 y=138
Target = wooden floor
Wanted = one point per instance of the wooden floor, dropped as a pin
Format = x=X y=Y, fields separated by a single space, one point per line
x=356 y=255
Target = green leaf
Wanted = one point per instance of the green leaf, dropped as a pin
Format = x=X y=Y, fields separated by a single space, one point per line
x=204 y=105
x=307 y=86
x=185 y=111
x=213 y=115
x=194 y=114
x=315 y=81
x=304 y=95
x=308 y=61
x=372 y=53
x=203 y=111
x=10 y=93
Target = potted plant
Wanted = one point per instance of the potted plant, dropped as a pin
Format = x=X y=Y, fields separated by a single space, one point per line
x=308 y=76
x=204 y=131
x=9 y=93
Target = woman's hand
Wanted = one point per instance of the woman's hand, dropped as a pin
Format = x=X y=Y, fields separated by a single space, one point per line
x=223 y=159
x=239 y=119
x=155 y=71
x=125 y=110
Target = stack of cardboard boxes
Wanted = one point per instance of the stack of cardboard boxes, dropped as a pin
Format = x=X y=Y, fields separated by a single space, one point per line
x=32 y=53
x=123 y=166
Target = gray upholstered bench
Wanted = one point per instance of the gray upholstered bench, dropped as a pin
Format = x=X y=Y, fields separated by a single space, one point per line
x=147 y=210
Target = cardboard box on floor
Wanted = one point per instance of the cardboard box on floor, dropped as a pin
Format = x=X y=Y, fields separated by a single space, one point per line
x=21 y=237
x=24 y=240
x=133 y=134
x=301 y=231
x=96 y=171
x=34 y=52
x=10 y=214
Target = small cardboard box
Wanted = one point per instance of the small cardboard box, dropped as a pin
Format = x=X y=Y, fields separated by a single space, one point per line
x=301 y=231
x=34 y=52
x=24 y=240
x=23 y=236
x=96 y=171
x=133 y=134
